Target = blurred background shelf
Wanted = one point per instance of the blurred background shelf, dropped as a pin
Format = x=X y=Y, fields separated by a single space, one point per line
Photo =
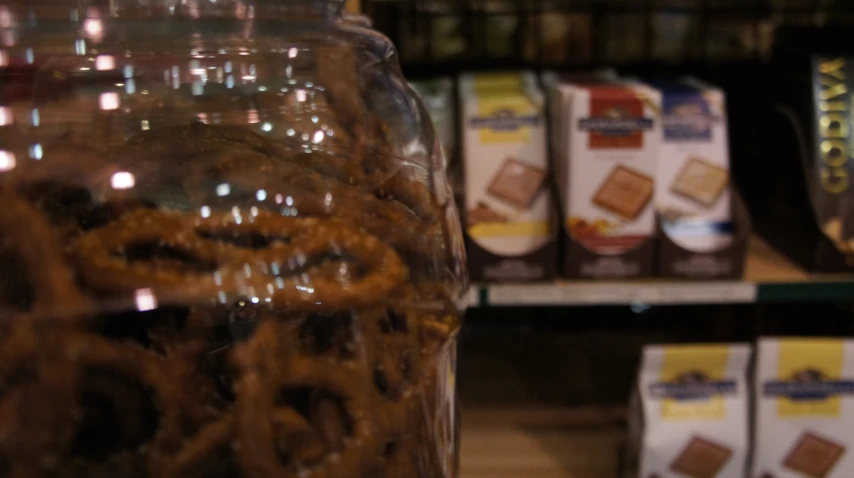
x=545 y=443
x=769 y=277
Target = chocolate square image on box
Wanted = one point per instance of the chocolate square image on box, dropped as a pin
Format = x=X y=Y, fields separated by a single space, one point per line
x=701 y=458
x=482 y=213
x=701 y=182
x=625 y=193
x=517 y=184
x=813 y=456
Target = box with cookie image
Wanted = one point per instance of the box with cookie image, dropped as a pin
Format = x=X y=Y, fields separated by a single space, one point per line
x=704 y=227
x=606 y=146
x=689 y=413
x=807 y=206
x=509 y=213
x=804 y=408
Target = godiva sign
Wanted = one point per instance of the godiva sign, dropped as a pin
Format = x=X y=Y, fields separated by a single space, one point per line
x=833 y=125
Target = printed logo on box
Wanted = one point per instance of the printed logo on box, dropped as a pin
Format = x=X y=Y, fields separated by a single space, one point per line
x=809 y=385
x=693 y=386
x=688 y=119
x=505 y=120
x=616 y=123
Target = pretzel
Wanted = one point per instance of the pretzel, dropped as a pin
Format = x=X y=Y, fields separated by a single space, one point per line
x=311 y=194
x=30 y=243
x=269 y=364
x=36 y=391
x=184 y=142
x=75 y=374
x=278 y=267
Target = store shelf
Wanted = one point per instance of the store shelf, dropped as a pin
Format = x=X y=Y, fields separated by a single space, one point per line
x=769 y=277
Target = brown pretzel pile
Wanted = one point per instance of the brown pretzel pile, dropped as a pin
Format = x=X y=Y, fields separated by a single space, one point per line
x=306 y=337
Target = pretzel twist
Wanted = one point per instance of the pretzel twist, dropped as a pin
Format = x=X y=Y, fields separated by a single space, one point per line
x=280 y=267
x=270 y=363
x=27 y=236
x=72 y=368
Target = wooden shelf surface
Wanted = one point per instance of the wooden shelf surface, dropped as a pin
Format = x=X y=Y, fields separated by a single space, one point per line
x=581 y=443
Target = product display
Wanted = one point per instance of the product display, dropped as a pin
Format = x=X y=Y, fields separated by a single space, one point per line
x=617 y=153
x=509 y=209
x=808 y=190
x=692 y=195
x=689 y=413
x=804 y=414
x=607 y=142
x=233 y=277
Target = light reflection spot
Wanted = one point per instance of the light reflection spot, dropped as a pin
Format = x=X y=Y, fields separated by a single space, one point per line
x=109 y=101
x=145 y=300
x=105 y=62
x=36 y=151
x=7 y=160
x=6 y=116
x=123 y=180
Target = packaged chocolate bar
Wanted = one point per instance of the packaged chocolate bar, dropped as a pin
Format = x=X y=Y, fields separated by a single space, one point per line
x=607 y=156
x=689 y=414
x=692 y=193
x=509 y=211
x=808 y=165
x=804 y=408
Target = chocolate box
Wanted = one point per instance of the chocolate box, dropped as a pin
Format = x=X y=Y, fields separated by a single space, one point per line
x=704 y=226
x=689 y=413
x=509 y=213
x=606 y=155
x=807 y=206
x=804 y=408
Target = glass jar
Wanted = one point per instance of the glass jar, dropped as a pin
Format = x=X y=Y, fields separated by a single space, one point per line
x=229 y=247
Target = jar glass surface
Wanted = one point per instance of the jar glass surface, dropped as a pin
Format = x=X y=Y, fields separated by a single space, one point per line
x=229 y=246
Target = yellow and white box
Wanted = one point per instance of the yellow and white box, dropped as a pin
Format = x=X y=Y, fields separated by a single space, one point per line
x=691 y=411
x=804 y=408
x=507 y=201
